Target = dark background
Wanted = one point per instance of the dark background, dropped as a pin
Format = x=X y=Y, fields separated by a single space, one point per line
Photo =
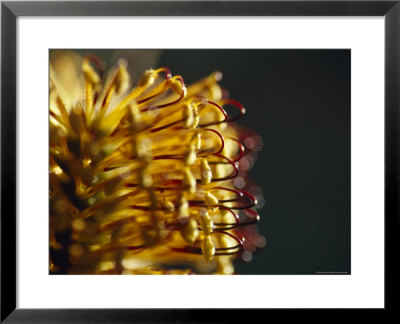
x=298 y=101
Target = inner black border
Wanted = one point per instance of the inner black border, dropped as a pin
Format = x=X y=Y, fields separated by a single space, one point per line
x=10 y=10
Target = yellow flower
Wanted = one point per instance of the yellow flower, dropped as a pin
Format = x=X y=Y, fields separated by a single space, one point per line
x=141 y=180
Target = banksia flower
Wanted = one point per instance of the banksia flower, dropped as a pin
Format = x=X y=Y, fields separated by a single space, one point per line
x=142 y=179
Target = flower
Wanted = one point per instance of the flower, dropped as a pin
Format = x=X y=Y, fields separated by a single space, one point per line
x=142 y=178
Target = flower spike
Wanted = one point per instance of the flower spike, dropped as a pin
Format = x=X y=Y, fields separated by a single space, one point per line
x=146 y=179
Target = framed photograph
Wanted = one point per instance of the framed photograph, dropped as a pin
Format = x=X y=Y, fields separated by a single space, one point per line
x=197 y=158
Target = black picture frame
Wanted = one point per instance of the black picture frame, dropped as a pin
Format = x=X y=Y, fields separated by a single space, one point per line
x=10 y=10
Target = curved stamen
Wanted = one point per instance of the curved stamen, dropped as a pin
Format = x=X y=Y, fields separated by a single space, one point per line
x=240 y=195
x=216 y=122
x=228 y=161
x=219 y=250
x=241 y=149
x=180 y=157
x=167 y=72
x=236 y=104
x=234 y=173
x=248 y=221
x=157 y=129
x=220 y=137
x=198 y=250
x=167 y=77
x=168 y=103
x=239 y=240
